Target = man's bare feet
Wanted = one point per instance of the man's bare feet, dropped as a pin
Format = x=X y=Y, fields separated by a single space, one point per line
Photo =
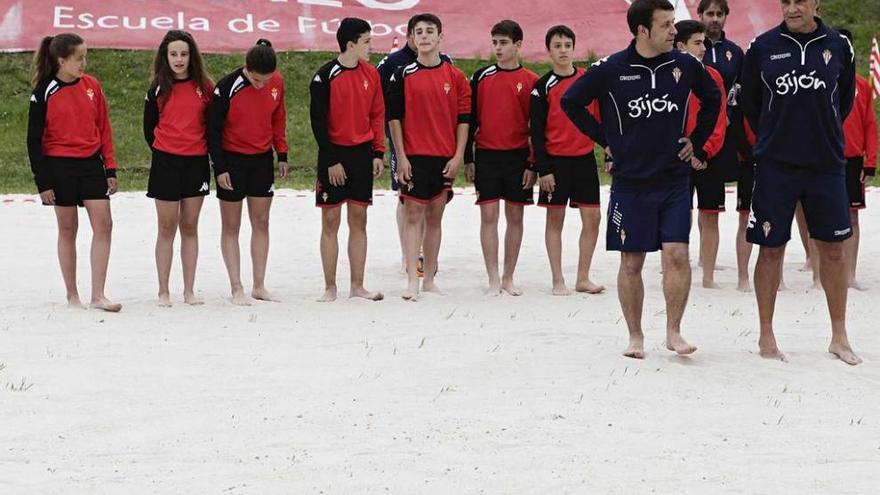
x=262 y=294
x=560 y=289
x=589 y=287
x=73 y=302
x=677 y=344
x=636 y=348
x=191 y=299
x=768 y=349
x=240 y=299
x=509 y=287
x=744 y=286
x=365 y=294
x=165 y=300
x=431 y=287
x=329 y=295
x=710 y=284
x=105 y=305
x=844 y=352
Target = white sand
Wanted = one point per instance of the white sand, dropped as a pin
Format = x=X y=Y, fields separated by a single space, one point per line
x=454 y=394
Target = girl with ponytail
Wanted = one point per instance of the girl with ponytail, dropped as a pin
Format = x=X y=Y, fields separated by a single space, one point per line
x=70 y=146
x=175 y=126
x=246 y=122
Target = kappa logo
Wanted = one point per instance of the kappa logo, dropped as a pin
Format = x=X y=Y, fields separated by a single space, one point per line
x=635 y=77
x=780 y=56
x=826 y=56
x=216 y=91
x=317 y=78
x=204 y=187
x=535 y=92
x=676 y=73
x=838 y=233
x=33 y=98
x=272 y=188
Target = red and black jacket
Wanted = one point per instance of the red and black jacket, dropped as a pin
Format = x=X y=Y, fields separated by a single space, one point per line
x=177 y=123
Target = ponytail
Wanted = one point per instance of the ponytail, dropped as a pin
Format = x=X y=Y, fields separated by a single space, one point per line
x=52 y=48
x=261 y=58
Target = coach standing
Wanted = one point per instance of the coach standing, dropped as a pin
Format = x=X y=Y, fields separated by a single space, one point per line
x=798 y=87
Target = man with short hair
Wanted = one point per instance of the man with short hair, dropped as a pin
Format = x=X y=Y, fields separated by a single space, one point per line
x=798 y=87
x=499 y=167
x=643 y=96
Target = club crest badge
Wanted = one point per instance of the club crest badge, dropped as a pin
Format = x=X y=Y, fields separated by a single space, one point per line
x=410 y=186
x=676 y=73
x=447 y=87
x=366 y=85
x=826 y=56
x=325 y=196
x=91 y=94
x=729 y=55
x=519 y=87
x=549 y=197
x=622 y=236
x=767 y=227
x=275 y=94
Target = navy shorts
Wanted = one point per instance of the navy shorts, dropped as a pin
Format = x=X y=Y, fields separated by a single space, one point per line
x=251 y=175
x=744 y=186
x=641 y=219
x=357 y=161
x=499 y=175
x=778 y=188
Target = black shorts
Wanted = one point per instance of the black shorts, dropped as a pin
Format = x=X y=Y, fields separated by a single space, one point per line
x=175 y=177
x=779 y=187
x=577 y=182
x=251 y=176
x=357 y=161
x=744 y=186
x=855 y=188
x=709 y=186
x=499 y=175
x=725 y=165
x=75 y=180
x=427 y=182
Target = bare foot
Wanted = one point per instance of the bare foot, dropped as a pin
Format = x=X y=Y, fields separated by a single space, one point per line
x=431 y=287
x=365 y=294
x=677 y=344
x=329 y=295
x=817 y=285
x=710 y=284
x=164 y=300
x=240 y=299
x=262 y=294
x=105 y=305
x=73 y=302
x=559 y=289
x=636 y=348
x=589 y=287
x=192 y=300
x=767 y=349
x=744 y=286
x=511 y=289
x=855 y=284
x=494 y=287
x=845 y=353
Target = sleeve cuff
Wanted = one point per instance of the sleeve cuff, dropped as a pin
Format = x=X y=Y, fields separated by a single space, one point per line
x=869 y=171
x=282 y=156
x=379 y=154
x=43 y=184
x=464 y=118
x=700 y=153
x=110 y=172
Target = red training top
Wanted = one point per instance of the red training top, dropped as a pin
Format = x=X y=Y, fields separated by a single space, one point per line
x=430 y=102
x=177 y=123
x=68 y=120
x=347 y=109
x=716 y=139
x=860 y=127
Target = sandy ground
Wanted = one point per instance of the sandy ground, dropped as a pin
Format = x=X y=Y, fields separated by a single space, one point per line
x=459 y=393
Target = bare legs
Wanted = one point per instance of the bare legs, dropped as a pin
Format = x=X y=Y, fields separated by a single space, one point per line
x=357 y=251
x=173 y=216
x=258 y=213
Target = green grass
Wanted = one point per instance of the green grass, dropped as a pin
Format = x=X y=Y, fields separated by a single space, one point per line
x=125 y=76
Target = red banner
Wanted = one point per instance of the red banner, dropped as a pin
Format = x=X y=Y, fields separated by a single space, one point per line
x=234 y=25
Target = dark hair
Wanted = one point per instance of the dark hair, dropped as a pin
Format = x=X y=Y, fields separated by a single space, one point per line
x=52 y=48
x=508 y=28
x=688 y=28
x=163 y=76
x=560 y=30
x=428 y=18
x=261 y=58
x=351 y=29
x=641 y=13
x=705 y=4
x=847 y=33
